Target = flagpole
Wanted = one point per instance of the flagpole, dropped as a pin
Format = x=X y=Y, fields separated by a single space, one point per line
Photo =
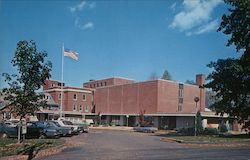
x=62 y=81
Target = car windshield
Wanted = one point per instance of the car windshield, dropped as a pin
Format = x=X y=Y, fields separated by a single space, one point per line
x=56 y=123
x=67 y=123
x=52 y=124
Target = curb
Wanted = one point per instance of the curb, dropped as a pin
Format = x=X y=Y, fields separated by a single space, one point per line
x=172 y=140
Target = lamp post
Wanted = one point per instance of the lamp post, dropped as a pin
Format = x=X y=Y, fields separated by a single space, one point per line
x=196 y=99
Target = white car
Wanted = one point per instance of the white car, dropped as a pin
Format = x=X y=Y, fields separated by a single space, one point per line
x=65 y=123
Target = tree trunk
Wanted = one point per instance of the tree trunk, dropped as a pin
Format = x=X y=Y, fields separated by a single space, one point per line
x=19 y=130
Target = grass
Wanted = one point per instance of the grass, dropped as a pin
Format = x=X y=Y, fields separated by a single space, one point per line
x=9 y=146
x=213 y=139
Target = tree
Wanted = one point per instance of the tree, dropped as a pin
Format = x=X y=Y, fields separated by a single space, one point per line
x=236 y=24
x=166 y=75
x=230 y=79
x=199 y=128
x=33 y=71
x=153 y=76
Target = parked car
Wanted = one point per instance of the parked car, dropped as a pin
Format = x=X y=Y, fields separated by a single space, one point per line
x=65 y=123
x=7 y=131
x=83 y=127
x=44 y=131
x=146 y=129
x=66 y=131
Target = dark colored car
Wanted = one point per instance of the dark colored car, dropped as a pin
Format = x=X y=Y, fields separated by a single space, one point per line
x=45 y=131
x=7 y=131
x=66 y=131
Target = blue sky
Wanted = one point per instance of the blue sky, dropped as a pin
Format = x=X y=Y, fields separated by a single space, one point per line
x=117 y=38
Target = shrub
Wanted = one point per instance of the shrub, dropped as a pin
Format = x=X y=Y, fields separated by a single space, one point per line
x=186 y=131
x=210 y=131
x=222 y=128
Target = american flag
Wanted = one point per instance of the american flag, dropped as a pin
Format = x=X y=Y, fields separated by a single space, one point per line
x=71 y=54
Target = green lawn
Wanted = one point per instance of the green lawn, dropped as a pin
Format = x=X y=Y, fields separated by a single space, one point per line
x=216 y=139
x=9 y=146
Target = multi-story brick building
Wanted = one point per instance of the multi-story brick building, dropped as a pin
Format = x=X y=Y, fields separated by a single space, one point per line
x=122 y=101
x=165 y=103
x=76 y=102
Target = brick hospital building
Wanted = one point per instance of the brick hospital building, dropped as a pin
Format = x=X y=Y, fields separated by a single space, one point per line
x=121 y=101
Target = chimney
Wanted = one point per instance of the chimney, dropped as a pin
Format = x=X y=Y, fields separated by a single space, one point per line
x=200 y=79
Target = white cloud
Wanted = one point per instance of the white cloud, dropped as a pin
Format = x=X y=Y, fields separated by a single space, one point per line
x=84 y=26
x=196 y=14
x=172 y=7
x=76 y=11
x=88 y=25
x=78 y=7
x=83 y=4
x=211 y=26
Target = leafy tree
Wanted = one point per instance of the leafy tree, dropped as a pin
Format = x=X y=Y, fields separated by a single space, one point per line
x=33 y=70
x=199 y=128
x=153 y=76
x=166 y=75
x=231 y=77
x=236 y=24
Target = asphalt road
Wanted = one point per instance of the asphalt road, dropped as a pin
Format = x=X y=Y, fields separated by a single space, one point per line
x=107 y=145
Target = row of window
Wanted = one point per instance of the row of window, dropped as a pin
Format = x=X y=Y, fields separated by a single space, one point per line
x=180 y=97
x=86 y=109
x=98 y=84
x=74 y=97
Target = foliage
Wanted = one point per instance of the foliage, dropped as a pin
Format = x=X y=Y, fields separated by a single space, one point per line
x=236 y=24
x=222 y=128
x=199 y=128
x=142 y=121
x=188 y=131
x=210 y=131
x=32 y=72
x=166 y=75
x=230 y=79
x=210 y=99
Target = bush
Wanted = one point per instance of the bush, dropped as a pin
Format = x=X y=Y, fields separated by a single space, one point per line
x=186 y=131
x=222 y=128
x=210 y=131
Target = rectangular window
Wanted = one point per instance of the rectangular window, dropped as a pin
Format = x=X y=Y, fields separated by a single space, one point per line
x=74 y=97
x=179 y=107
x=59 y=96
x=105 y=83
x=74 y=107
x=97 y=85
x=180 y=100
x=80 y=109
x=90 y=85
x=94 y=85
x=87 y=109
x=101 y=83
x=84 y=97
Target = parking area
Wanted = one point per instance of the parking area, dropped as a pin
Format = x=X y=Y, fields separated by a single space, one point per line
x=110 y=144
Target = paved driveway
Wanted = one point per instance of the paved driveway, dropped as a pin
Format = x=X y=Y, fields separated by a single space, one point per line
x=105 y=145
